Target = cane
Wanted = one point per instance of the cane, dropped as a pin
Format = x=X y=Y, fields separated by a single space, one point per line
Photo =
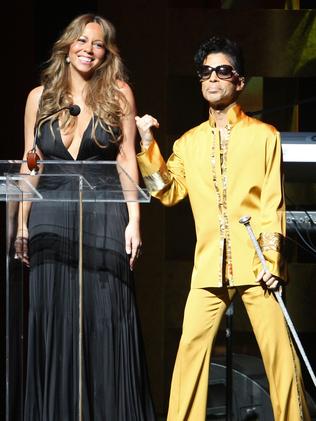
x=245 y=221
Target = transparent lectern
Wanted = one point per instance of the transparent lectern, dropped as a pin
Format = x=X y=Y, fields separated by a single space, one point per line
x=64 y=200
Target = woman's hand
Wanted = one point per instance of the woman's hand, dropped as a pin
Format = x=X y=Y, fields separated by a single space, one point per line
x=144 y=125
x=133 y=242
x=21 y=246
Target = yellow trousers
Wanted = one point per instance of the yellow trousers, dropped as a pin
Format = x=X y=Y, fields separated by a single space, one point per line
x=203 y=313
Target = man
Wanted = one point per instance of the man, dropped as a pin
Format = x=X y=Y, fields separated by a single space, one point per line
x=229 y=166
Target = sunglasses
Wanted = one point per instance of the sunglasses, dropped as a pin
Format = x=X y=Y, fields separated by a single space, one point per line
x=224 y=71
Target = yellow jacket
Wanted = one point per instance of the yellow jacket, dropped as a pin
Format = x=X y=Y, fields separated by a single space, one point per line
x=248 y=182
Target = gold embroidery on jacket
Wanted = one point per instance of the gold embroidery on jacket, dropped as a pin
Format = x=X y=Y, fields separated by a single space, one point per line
x=224 y=146
x=271 y=241
x=224 y=244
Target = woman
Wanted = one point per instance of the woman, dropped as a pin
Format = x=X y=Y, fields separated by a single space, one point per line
x=84 y=69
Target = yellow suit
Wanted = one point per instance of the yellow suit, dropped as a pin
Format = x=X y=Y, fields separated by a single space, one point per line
x=228 y=174
x=249 y=185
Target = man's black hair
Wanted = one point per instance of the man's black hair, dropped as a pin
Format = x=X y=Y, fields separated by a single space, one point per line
x=217 y=44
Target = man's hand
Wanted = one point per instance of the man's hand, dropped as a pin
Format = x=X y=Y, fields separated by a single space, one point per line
x=144 y=125
x=268 y=279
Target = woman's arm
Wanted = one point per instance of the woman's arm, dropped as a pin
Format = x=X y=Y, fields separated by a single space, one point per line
x=127 y=160
x=24 y=207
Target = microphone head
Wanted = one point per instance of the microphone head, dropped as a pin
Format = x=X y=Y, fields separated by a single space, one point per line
x=74 y=110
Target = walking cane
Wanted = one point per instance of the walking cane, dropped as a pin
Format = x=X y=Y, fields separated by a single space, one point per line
x=245 y=221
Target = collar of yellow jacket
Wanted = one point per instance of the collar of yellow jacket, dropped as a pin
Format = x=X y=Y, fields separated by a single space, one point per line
x=234 y=114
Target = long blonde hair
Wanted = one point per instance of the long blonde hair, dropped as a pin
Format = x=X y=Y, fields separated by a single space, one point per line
x=102 y=94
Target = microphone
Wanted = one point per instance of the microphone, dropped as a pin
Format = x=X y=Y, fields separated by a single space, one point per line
x=74 y=110
x=32 y=156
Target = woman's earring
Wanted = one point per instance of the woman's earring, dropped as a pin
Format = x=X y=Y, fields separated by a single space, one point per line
x=67 y=60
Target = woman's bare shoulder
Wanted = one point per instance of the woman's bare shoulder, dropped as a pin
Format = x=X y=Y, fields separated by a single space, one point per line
x=35 y=94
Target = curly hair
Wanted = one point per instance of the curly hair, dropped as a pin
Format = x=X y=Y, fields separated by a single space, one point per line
x=217 y=44
x=102 y=93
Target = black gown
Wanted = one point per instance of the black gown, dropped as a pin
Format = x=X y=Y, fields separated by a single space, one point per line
x=114 y=379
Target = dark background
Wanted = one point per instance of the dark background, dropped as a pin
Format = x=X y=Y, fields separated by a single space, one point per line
x=157 y=41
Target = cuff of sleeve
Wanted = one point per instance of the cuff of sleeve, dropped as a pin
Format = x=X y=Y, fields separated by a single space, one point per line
x=153 y=168
x=272 y=246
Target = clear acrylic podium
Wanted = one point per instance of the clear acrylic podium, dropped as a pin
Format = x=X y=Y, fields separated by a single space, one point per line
x=76 y=183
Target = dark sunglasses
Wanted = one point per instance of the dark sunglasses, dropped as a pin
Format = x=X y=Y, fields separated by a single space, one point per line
x=224 y=71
